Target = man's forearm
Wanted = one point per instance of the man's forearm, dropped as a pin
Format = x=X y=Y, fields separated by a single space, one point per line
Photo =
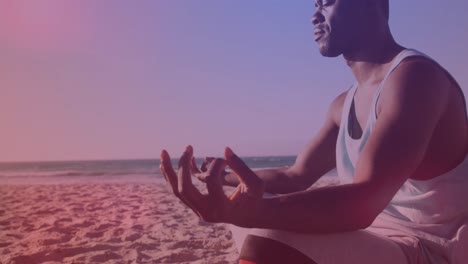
x=323 y=210
x=276 y=180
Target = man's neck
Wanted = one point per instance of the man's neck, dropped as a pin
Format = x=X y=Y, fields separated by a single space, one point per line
x=368 y=64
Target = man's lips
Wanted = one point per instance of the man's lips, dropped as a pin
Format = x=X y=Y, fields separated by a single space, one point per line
x=318 y=34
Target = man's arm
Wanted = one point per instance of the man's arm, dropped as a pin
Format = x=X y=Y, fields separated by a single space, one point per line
x=415 y=97
x=316 y=159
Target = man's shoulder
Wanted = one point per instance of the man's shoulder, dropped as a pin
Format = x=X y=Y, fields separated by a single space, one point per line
x=418 y=70
x=416 y=79
x=418 y=63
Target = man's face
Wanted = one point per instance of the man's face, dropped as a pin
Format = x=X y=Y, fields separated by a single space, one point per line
x=338 y=25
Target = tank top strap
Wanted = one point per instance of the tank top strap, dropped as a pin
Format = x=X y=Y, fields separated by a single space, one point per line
x=396 y=62
x=347 y=104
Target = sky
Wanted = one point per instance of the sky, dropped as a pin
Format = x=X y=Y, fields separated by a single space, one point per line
x=83 y=80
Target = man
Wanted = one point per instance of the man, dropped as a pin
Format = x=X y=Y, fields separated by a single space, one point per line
x=399 y=139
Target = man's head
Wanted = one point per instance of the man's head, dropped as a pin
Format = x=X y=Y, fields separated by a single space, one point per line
x=343 y=26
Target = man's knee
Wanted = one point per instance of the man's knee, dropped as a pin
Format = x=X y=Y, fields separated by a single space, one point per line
x=261 y=250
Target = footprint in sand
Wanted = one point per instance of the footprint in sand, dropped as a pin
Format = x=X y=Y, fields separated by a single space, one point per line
x=5 y=223
x=50 y=211
x=48 y=242
x=133 y=237
x=15 y=236
x=114 y=240
x=135 y=216
x=82 y=225
x=138 y=227
x=104 y=227
x=5 y=244
x=182 y=257
x=118 y=232
x=94 y=234
x=60 y=221
x=44 y=225
x=78 y=209
x=178 y=216
x=28 y=228
x=139 y=246
x=92 y=208
x=106 y=256
x=192 y=244
x=135 y=207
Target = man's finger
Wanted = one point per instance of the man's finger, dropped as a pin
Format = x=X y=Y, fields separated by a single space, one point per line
x=200 y=176
x=235 y=194
x=161 y=169
x=185 y=167
x=171 y=177
x=245 y=174
x=193 y=166
x=203 y=166
x=173 y=185
x=214 y=181
x=185 y=186
x=168 y=171
x=206 y=162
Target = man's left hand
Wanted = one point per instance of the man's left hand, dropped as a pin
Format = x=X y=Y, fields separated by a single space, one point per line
x=216 y=207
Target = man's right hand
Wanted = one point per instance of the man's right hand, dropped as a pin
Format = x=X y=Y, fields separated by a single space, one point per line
x=202 y=172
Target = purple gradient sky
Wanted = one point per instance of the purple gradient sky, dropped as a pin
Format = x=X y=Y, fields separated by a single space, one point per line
x=114 y=79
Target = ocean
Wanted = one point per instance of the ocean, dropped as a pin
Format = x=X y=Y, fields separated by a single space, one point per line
x=53 y=172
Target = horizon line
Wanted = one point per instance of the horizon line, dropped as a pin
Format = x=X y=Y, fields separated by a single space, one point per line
x=125 y=159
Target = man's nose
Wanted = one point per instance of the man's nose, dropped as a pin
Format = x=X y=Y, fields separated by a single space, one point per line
x=317 y=17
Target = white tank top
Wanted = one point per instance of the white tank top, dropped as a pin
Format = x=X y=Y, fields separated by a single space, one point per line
x=430 y=215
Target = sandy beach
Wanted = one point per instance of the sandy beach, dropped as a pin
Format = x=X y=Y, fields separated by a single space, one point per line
x=105 y=223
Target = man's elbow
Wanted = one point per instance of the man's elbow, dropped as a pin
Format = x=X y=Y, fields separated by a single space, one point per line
x=364 y=222
x=362 y=216
x=369 y=218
